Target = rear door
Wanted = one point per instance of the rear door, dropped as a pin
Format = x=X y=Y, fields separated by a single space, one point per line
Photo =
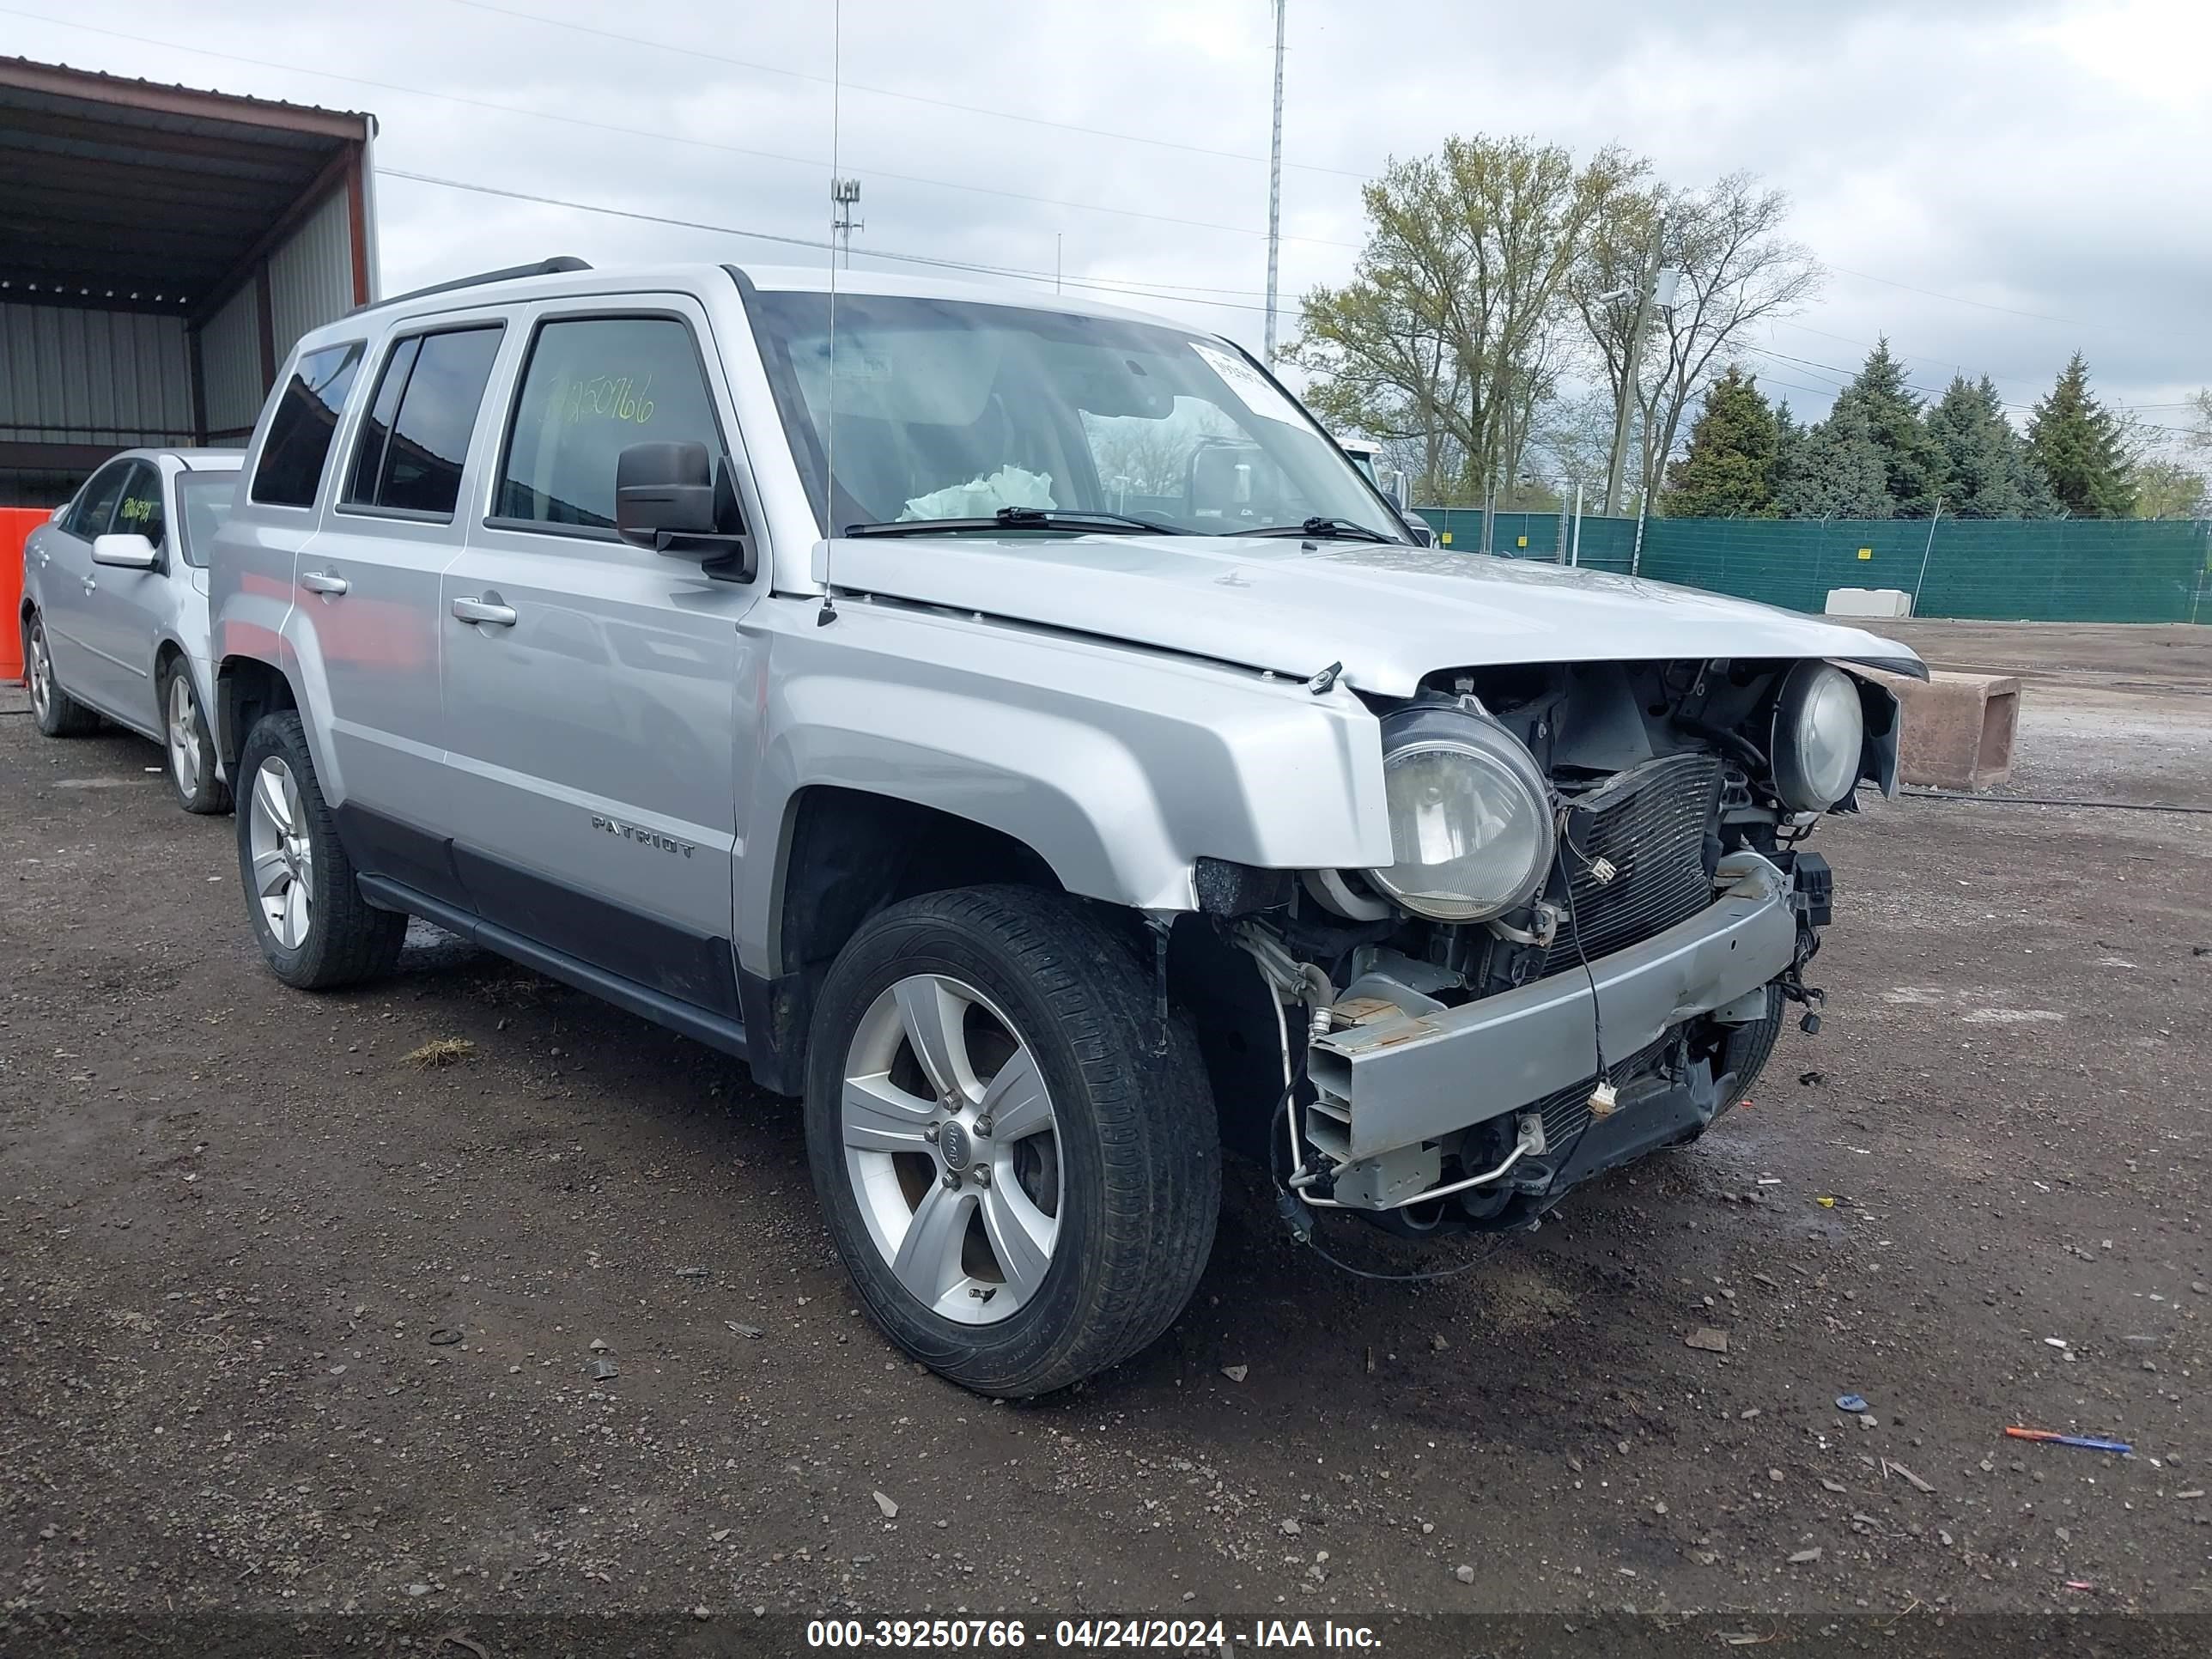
x=65 y=582
x=592 y=688
x=124 y=607
x=370 y=579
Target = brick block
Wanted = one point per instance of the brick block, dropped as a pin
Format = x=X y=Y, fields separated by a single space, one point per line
x=1957 y=728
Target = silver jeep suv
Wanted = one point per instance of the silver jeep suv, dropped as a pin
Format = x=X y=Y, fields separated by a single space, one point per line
x=1011 y=724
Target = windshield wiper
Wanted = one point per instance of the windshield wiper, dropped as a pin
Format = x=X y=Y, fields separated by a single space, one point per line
x=1074 y=520
x=1321 y=530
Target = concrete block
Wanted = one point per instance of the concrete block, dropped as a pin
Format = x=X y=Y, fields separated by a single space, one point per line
x=1869 y=602
x=1957 y=728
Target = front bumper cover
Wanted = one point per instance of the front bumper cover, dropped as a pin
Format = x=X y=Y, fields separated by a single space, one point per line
x=1420 y=1075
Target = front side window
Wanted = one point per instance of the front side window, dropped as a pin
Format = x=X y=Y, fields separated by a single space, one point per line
x=953 y=409
x=290 y=470
x=414 y=439
x=594 y=387
x=95 y=508
x=203 y=501
x=139 y=512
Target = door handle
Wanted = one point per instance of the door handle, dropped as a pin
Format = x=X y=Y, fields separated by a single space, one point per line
x=89 y=585
x=473 y=610
x=324 y=582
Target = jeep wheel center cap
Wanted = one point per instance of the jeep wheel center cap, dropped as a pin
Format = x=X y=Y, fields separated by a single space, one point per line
x=952 y=1145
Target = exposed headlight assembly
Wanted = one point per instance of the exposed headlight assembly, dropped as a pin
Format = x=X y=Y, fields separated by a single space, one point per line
x=1819 y=730
x=1471 y=826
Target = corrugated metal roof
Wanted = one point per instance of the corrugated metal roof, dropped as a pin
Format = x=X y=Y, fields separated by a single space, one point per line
x=129 y=83
x=132 y=193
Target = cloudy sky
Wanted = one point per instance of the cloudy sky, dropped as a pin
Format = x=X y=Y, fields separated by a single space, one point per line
x=1992 y=183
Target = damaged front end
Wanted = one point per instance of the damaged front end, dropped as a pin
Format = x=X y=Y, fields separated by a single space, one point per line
x=1600 y=909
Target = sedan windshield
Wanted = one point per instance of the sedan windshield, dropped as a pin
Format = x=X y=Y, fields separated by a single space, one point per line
x=202 y=504
x=957 y=410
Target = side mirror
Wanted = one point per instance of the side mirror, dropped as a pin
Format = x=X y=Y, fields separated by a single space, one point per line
x=1423 y=534
x=128 y=550
x=671 y=498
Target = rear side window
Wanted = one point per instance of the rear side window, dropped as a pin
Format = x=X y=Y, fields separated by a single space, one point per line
x=95 y=507
x=595 y=386
x=290 y=470
x=416 y=436
x=203 y=501
x=139 y=512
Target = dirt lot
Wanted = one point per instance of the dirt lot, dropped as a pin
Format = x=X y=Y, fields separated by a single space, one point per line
x=293 y=1324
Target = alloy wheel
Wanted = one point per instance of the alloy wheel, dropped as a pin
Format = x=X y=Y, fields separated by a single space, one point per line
x=42 y=673
x=184 y=733
x=283 y=868
x=952 y=1149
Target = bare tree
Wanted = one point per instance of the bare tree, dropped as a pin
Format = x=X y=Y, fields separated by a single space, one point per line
x=1737 y=269
x=1449 y=331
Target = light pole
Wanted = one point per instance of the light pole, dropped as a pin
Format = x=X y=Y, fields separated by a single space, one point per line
x=1275 y=188
x=844 y=197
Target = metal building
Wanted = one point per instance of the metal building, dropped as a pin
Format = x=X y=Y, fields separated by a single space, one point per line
x=161 y=249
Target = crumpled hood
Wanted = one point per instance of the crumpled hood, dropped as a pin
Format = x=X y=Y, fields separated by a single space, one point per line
x=1389 y=613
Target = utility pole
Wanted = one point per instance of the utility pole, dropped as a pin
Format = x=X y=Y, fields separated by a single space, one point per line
x=1275 y=188
x=1647 y=288
x=844 y=197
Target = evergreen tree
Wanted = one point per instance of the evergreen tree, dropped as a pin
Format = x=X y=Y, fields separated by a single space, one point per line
x=1728 y=470
x=2079 y=444
x=1788 y=454
x=1914 y=464
x=1992 y=473
x=1840 y=471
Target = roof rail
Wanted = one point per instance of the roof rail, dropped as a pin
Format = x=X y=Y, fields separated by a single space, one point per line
x=552 y=267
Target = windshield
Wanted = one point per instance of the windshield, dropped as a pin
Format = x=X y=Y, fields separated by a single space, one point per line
x=951 y=409
x=202 y=504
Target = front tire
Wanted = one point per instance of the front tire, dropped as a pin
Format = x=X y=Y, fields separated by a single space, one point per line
x=1023 y=1192
x=191 y=751
x=315 y=929
x=58 y=714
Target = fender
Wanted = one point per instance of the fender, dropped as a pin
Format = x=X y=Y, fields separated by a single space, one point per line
x=1118 y=766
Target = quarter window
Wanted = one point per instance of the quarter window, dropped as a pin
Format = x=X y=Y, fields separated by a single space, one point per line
x=415 y=439
x=290 y=470
x=594 y=386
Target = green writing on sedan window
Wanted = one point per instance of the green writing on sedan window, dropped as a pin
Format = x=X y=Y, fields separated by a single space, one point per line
x=138 y=510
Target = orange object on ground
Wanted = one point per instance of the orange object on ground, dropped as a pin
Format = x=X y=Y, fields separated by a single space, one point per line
x=16 y=523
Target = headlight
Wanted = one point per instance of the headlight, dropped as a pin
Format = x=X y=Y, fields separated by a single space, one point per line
x=1470 y=815
x=1819 y=730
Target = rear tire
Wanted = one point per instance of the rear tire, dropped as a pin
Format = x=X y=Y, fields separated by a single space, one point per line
x=315 y=929
x=1089 y=1225
x=58 y=714
x=191 y=751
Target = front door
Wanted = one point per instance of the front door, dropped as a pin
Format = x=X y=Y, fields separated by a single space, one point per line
x=69 y=580
x=593 y=688
x=123 y=614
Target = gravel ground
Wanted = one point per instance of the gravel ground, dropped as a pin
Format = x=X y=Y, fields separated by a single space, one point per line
x=295 y=1323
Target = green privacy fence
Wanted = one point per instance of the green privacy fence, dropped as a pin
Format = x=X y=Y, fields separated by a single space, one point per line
x=1996 y=569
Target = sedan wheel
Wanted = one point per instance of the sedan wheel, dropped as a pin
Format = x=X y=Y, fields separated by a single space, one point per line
x=191 y=751
x=184 y=734
x=57 y=714
x=282 y=862
x=952 y=1149
x=42 y=674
